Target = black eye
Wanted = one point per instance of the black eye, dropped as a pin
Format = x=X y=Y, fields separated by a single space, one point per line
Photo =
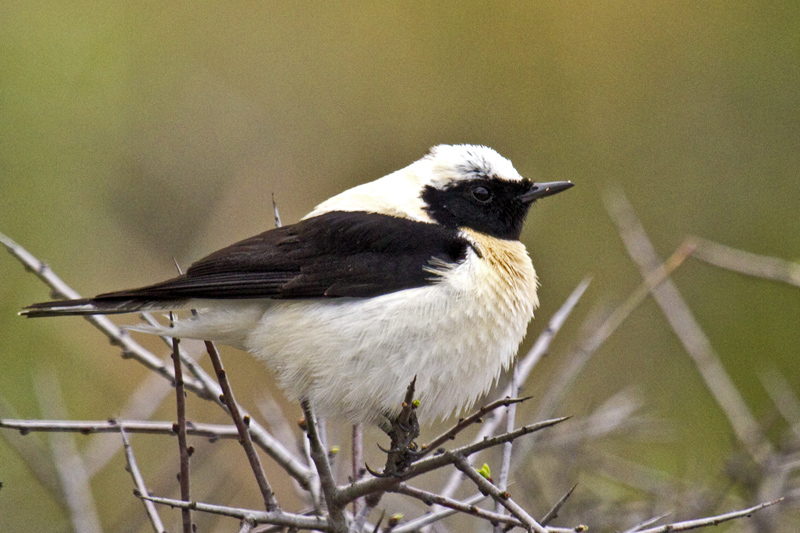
x=482 y=194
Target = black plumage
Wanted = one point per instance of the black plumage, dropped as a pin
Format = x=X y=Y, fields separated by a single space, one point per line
x=489 y=205
x=336 y=254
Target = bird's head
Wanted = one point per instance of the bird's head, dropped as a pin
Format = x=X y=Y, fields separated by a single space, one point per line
x=454 y=185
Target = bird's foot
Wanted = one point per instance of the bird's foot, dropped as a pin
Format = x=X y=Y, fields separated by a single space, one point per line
x=402 y=430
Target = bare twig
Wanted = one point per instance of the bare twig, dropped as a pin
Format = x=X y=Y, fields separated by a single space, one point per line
x=275 y=212
x=273 y=447
x=691 y=335
x=369 y=503
x=649 y=521
x=430 y=498
x=115 y=334
x=183 y=448
x=498 y=495
x=367 y=486
x=747 y=263
x=76 y=489
x=203 y=386
x=464 y=423
x=141 y=404
x=315 y=486
x=542 y=344
x=357 y=457
x=360 y=518
x=784 y=398
x=33 y=452
x=505 y=465
x=138 y=481
x=279 y=518
x=435 y=516
x=270 y=503
x=600 y=334
x=281 y=430
x=246 y=525
x=552 y=514
x=319 y=455
x=710 y=521
x=86 y=427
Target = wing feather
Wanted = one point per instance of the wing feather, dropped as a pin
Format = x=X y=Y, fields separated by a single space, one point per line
x=333 y=255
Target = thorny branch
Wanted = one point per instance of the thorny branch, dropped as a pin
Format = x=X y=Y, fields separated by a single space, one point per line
x=280 y=518
x=183 y=448
x=242 y=425
x=710 y=521
x=502 y=497
x=138 y=481
x=203 y=386
x=337 y=497
x=361 y=488
x=505 y=465
x=87 y=427
x=463 y=423
x=319 y=455
x=430 y=498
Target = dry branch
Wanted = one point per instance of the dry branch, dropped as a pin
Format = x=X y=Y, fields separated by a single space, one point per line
x=242 y=424
x=710 y=521
x=203 y=386
x=502 y=497
x=747 y=263
x=138 y=481
x=688 y=330
x=183 y=448
x=75 y=482
x=430 y=498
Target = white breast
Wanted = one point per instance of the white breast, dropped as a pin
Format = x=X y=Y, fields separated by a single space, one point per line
x=355 y=357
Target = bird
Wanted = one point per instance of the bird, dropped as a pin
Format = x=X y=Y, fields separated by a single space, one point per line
x=420 y=273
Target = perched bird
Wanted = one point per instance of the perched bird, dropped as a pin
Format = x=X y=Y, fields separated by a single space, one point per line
x=419 y=273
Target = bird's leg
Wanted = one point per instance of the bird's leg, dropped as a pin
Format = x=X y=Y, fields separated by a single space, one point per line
x=402 y=430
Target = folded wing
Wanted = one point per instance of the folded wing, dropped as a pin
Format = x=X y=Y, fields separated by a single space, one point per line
x=334 y=255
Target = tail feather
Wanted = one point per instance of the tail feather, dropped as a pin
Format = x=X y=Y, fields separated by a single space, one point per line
x=90 y=306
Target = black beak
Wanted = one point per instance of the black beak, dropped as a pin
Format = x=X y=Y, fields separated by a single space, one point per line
x=540 y=190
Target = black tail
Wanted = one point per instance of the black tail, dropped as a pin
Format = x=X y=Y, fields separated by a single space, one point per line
x=93 y=306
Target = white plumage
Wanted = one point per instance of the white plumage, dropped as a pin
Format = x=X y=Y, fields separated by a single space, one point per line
x=456 y=328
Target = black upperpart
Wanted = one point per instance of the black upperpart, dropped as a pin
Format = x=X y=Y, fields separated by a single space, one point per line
x=489 y=205
x=333 y=255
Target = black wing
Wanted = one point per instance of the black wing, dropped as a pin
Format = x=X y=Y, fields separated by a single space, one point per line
x=336 y=254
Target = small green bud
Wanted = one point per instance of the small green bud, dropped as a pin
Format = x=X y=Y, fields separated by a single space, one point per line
x=485 y=471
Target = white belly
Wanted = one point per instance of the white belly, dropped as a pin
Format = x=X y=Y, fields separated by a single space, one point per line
x=354 y=357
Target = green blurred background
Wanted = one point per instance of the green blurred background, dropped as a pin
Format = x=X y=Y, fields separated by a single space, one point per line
x=135 y=132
